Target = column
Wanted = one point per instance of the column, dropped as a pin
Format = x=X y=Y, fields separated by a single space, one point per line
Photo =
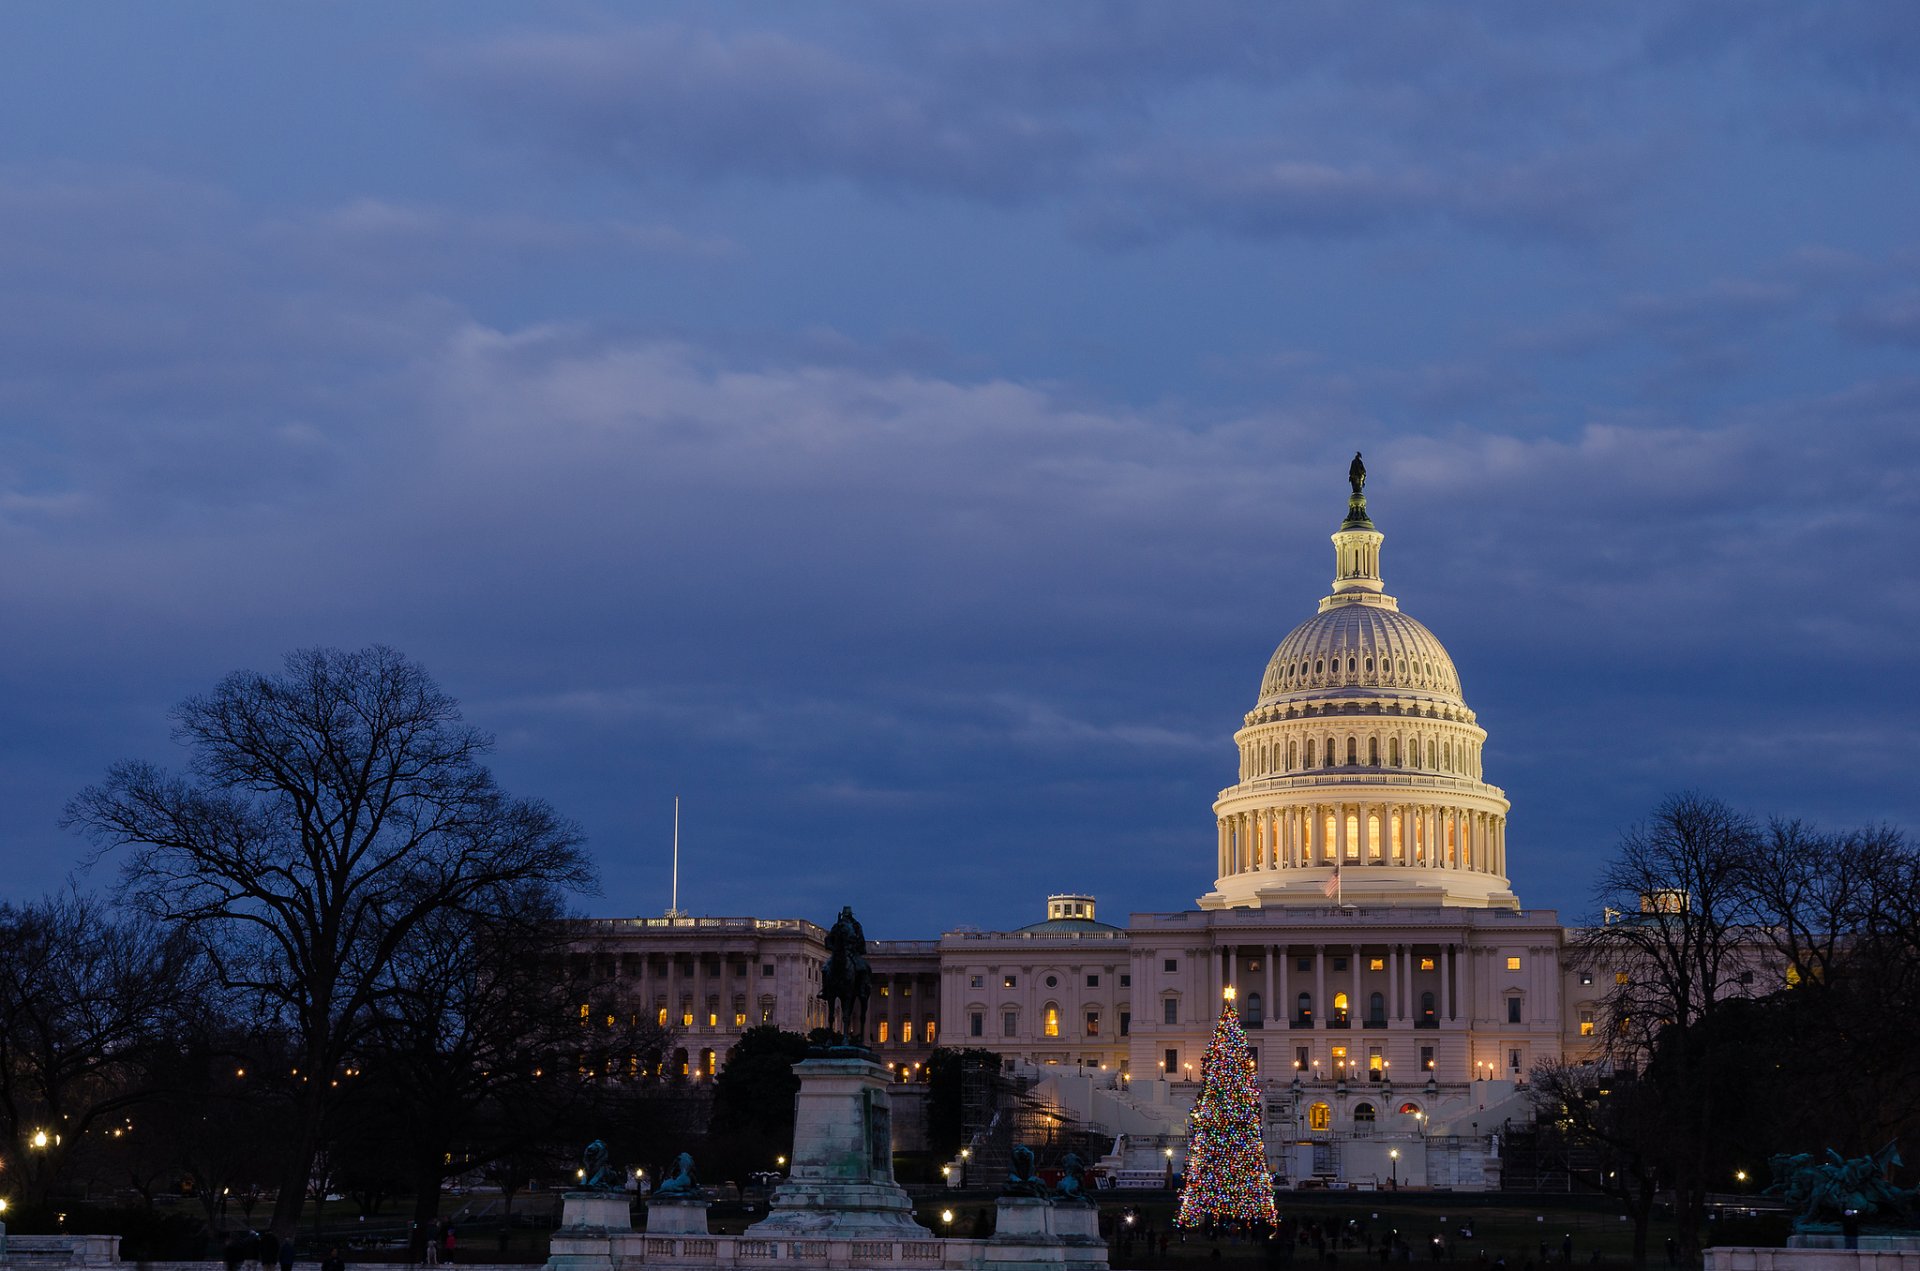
x=1319 y=986
x=1269 y=1000
x=1446 y=983
x=1220 y=848
x=1393 y=983
x=1285 y=1011
x=1207 y=1013
x=1340 y=832
x=1357 y=1009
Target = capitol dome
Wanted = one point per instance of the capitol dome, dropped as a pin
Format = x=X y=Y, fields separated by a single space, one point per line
x=1360 y=777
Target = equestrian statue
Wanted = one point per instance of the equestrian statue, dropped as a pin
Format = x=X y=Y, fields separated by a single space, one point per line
x=848 y=980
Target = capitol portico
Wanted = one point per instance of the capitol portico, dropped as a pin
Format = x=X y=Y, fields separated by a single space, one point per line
x=1395 y=993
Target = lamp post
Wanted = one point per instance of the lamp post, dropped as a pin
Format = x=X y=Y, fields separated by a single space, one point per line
x=1393 y=1156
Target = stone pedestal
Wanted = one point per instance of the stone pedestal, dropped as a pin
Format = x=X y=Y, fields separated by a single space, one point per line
x=1031 y=1234
x=595 y=1228
x=676 y=1216
x=841 y=1182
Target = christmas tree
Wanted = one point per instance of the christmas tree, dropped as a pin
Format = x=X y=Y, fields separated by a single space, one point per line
x=1226 y=1175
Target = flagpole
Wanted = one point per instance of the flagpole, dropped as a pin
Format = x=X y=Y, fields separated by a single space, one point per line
x=673 y=908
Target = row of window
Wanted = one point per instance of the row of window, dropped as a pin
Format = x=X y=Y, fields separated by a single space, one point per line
x=1011 y=980
x=1439 y=755
x=1394 y=668
x=1050 y=1022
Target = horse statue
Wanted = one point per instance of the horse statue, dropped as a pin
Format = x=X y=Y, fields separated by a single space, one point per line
x=848 y=980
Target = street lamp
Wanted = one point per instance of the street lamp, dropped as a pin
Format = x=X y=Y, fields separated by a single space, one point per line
x=946 y=1217
x=1393 y=1155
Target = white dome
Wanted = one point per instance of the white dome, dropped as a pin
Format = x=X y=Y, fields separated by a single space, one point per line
x=1360 y=765
x=1361 y=649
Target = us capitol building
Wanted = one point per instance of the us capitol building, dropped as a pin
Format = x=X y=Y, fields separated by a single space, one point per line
x=1394 y=991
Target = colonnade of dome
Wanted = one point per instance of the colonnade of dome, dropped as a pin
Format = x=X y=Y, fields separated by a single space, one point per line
x=1360 y=755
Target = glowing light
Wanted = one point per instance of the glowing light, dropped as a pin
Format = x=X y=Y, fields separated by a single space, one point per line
x=1226 y=1163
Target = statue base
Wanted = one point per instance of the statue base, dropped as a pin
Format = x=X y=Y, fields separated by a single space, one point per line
x=841 y=1183
x=595 y=1230
x=677 y=1216
x=1031 y=1234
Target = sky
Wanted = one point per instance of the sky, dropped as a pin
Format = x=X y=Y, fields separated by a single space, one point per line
x=904 y=432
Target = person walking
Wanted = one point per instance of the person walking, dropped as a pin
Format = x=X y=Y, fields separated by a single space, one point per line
x=433 y=1244
x=286 y=1254
x=333 y=1261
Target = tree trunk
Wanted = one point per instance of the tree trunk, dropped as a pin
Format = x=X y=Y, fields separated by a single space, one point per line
x=426 y=1203
x=303 y=1145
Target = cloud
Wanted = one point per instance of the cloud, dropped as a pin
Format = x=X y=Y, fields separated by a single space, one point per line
x=1136 y=126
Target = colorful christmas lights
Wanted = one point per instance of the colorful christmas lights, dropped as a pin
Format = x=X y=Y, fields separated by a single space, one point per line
x=1226 y=1174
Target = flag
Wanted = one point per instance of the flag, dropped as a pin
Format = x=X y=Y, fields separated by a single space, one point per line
x=1333 y=882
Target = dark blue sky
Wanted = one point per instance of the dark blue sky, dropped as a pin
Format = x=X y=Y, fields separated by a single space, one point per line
x=906 y=431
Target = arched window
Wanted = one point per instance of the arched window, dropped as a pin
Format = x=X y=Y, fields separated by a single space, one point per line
x=1053 y=1019
x=1393 y=752
x=1353 y=750
x=1319 y=667
x=1369 y=666
x=1333 y=754
x=1252 y=1014
x=1426 y=1006
x=1350 y=666
x=1373 y=751
x=1377 y=1009
x=1319 y=1117
x=1305 y=1005
x=1340 y=1010
x=1309 y=752
x=1293 y=755
x=1363 y=1112
x=680 y=1061
x=706 y=1063
x=881 y=1035
x=1409 y=1109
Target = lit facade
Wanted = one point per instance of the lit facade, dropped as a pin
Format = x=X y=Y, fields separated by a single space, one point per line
x=1394 y=991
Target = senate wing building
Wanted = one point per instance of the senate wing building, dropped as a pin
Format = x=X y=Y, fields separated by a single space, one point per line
x=1394 y=990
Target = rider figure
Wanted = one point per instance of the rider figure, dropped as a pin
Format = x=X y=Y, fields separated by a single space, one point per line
x=846 y=965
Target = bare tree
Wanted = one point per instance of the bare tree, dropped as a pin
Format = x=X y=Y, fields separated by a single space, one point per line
x=1676 y=929
x=329 y=811
x=87 y=1000
x=1618 y=1119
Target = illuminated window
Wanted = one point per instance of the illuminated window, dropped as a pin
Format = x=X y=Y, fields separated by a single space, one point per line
x=1009 y=981
x=1339 y=1008
x=1319 y=1117
x=1093 y=1023
x=663 y=1017
x=928 y=1034
x=976 y=981
x=585 y=1010
x=882 y=1035
x=1619 y=977
x=1513 y=964
x=1053 y=1020
x=1586 y=977
x=906 y=1030
x=1376 y=964
x=1586 y=1023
